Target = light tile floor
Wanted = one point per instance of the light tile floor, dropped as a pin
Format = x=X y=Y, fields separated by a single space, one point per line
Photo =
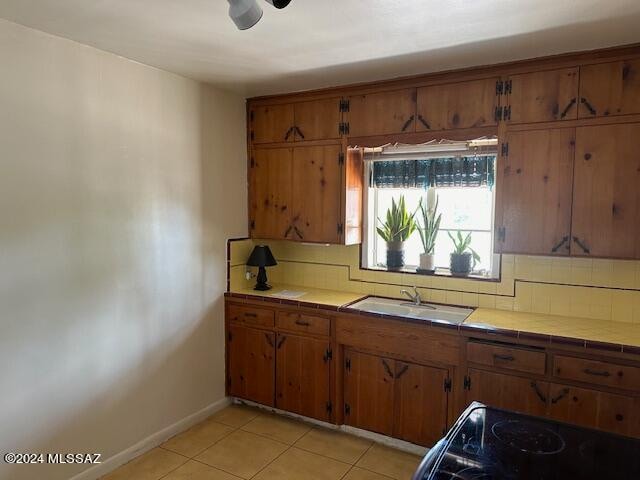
x=244 y=443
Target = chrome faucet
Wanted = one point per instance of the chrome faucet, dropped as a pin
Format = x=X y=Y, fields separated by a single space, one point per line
x=415 y=298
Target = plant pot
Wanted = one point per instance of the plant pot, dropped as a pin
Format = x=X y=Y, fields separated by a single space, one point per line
x=395 y=255
x=460 y=264
x=427 y=261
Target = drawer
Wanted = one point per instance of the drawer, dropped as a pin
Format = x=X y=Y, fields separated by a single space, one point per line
x=502 y=356
x=598 y=372
x=302 y=322
x=249 y=315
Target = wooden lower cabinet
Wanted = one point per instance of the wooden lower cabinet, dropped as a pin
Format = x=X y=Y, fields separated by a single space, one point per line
x=303 y=376
x=368 y=392
x=593 y=408
x=421 y=401
x=396 y=398
x=252 y=367
x=510 y=392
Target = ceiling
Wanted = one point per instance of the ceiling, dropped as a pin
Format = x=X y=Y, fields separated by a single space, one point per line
x=320 y=43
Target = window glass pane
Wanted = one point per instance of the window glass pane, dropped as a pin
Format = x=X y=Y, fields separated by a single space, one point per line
x=467 y=208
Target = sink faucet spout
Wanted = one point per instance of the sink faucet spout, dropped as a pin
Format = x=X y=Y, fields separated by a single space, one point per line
x=415 y=298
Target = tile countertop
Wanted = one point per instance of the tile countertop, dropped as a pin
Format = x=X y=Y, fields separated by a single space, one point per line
x=585 y=332
x=316 y=296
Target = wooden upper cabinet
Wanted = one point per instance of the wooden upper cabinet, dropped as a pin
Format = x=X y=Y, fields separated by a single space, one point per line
x=368 y=392
x=382 y=113
x=542 y=96
x=594 y=409
x=457 y=105
x=610 y=89
x=509 y=392
x=272 y=124
x=251 y=364
x=606 y=197
x=535 y=179
x=315 y=192
x=270 y=181
x=318 y=119
x=420 y=403
x=303 y=376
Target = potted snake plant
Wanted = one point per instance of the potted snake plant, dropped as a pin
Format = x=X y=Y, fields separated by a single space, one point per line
x=395 y=230
x=463 y=255
x=428 y=233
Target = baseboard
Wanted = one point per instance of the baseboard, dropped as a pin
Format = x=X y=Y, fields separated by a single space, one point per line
x=150 y=442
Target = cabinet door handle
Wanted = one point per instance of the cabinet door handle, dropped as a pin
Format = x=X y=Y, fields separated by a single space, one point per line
x=584 y=248
x=563 y=393
x=303 y=323
x=597 y=373
x=560 y=244
x=424 y=122
x=568 y=107
x=288 y=231
x=280 y=341
x=407 y=123
x=288 y=134
x=402 y=371
x=269 y=339
x=586 y=103
x=387 y=368
x=299 y=132
x=539 y=393
x=295 y=229
x=506 y=358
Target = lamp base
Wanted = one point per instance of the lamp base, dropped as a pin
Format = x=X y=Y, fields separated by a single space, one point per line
x=262 y=284
x=262 y=287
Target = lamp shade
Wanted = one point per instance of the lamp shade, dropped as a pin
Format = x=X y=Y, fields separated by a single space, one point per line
x=261 y=257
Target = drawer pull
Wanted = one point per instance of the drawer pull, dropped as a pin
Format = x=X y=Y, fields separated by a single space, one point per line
x=541 y=396
x=251 y=315
x=560 y=396
x=597 y=373
x=387 y=368
x=505 y=358
x=303 y=323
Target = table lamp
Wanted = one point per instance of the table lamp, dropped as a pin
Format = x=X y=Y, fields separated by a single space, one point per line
x=261 y=257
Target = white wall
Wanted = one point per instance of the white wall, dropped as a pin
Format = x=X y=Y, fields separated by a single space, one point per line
x=119 y=185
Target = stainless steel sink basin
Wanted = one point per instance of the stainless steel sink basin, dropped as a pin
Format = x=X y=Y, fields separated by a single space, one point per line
x=402 y=308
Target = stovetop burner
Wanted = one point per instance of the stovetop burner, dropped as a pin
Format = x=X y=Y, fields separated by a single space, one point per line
x=528 y=437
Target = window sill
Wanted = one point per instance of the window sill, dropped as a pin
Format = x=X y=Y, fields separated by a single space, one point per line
x=439 y=272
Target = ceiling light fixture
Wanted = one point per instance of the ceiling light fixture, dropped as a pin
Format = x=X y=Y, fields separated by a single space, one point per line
x=246 y=13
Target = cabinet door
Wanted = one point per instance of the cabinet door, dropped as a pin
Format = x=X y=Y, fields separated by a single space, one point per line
x=610 y=89
x=317 y=182
x=606 y=198
x=382 y=113
x=457 y=105
x=318 y=119
x=535 y=182
x=302 y=378
x=368 y=392
x=272 y=124
x=270 y=210
x=594 y=409
x=251 y=364
x=543 y=96
x=509 y=392
x=420 y=403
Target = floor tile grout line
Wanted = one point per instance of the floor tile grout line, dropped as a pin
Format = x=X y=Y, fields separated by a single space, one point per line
x=269 y=463
x=173 y=469
x=217 y=468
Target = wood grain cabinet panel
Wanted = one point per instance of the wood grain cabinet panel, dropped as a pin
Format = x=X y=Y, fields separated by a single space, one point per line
x=369 y=392
x=509 y=392
x=303 y=376
x=304 y=323
x=251 y=316
x=318 y=119
x=594 y=409
x=535 y=183
x=316 y=187
x=382 y=113
x=420 y=403
x=500 y=356
x=272 y=124
x=543 y=96
x=598 y=372
x=606 y=197
x=457 y=105
x=610 y=89
x=271 y=195
x=252 y=364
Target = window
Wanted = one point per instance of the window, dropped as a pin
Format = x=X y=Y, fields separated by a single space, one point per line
x=466 y=206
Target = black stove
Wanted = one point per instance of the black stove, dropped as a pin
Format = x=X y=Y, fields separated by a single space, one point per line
x=491 y=444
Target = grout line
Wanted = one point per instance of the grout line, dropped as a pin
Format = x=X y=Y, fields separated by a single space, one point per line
x=174 y=469
x=269 y=463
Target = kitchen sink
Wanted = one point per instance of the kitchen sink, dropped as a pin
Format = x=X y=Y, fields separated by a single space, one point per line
x=403 y=308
